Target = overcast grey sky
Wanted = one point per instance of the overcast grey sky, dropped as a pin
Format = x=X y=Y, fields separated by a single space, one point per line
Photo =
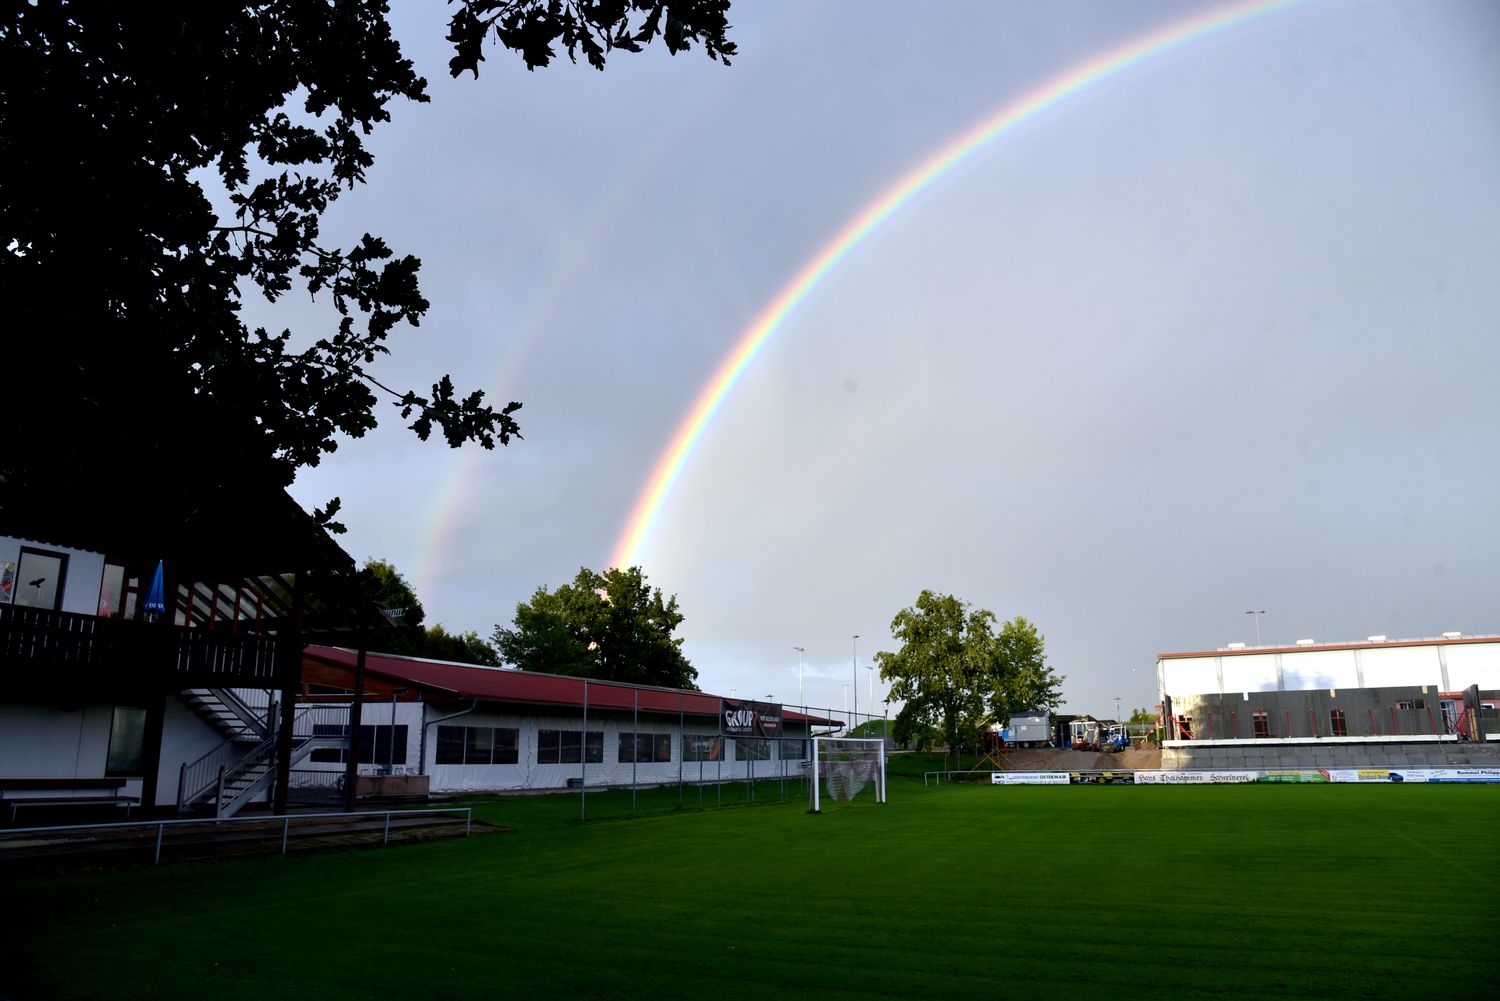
x=1221 y=334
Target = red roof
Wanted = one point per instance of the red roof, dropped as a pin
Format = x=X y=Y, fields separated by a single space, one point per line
x=492 y=684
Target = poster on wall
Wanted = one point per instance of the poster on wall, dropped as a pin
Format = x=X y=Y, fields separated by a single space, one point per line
x=7 y=582
x=750 y=719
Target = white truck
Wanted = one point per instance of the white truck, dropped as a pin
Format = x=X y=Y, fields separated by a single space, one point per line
x=1028 y=729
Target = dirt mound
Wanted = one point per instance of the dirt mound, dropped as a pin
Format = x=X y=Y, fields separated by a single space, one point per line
x=1049 y=759
x=1146 y=757
x=1017 y=759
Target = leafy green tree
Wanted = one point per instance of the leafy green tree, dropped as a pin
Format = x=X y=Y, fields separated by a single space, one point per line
x=463 y=648
x=955 y=672
x=408 y=636
x=1023 y=681
x=122 y=284
x=611 y=626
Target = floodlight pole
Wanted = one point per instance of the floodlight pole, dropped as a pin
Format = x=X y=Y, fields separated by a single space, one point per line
x=800 y=700
x=855 y=648
x=1257 y=615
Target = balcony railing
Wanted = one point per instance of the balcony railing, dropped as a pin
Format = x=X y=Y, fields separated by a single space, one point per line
x=196 y=656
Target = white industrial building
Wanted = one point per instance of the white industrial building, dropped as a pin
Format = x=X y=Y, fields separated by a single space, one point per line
x=1412 y=701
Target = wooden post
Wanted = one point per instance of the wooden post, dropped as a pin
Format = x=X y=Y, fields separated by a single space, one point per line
x=356 y=718
x=289 y=670
x=156 y=719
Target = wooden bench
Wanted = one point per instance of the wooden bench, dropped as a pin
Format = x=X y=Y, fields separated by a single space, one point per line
x=17 y=793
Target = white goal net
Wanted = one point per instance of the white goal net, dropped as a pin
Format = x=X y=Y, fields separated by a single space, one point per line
x=843 y=767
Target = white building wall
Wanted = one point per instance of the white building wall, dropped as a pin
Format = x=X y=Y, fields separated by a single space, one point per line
x=1310 y=669
x=54 y=742
x=1249 y=673
x=527 y=773
x=81 y=581
x=64 y=742
x=186 y=737
x=1473 y=664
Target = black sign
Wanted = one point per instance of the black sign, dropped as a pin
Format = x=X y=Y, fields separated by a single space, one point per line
x=750 y=719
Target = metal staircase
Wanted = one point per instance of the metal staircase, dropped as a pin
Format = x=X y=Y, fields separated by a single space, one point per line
x=239 y=714
x=230 y=776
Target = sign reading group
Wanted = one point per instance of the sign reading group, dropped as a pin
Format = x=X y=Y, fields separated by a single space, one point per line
x=750 y=719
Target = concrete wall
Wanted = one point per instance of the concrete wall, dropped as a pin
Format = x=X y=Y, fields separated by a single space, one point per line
x=1368 y=712
x=72 y=742
x=1328 y=753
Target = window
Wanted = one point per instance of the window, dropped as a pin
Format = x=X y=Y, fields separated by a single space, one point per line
x=1338 y=724
x=127 y=739
x=793 y=750
x=567 y=747
x=1262 y=723
x=645 y=747
x=702 y=748
x=39 y=578
x=374 y=744
x=752 y=749
x=1412 y=704
x=112 y=592
x=477 y=745
x=1185 y=727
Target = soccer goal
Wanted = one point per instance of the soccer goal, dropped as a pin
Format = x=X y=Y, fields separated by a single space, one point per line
x=843 y=766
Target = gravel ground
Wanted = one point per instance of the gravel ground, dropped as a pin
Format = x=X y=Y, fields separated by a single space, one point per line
x=1058 y=760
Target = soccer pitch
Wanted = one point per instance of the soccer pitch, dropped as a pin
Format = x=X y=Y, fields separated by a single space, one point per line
x=955 y=891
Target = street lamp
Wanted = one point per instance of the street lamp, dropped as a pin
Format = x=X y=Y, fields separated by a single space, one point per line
x=1257 y=622
x=855 y=647
x=871 y=669
x=846 y=700
x=800 y=700
x=1117 y=709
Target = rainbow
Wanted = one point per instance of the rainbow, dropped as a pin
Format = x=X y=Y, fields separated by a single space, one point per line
x=1054 y=92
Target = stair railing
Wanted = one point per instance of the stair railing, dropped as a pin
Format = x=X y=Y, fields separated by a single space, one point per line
x=198 y=778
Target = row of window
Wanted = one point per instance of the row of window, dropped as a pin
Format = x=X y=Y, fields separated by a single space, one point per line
x=499 y=745
x=477 y=745
x=374 y=744
x=1338 y=721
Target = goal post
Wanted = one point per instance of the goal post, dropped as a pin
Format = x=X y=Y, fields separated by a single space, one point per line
x=843 y=766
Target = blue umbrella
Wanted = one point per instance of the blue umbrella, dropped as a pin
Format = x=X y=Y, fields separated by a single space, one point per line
x=156 y=598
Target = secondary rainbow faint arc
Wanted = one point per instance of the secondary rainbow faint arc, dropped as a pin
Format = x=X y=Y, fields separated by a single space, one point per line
x=1090 y=73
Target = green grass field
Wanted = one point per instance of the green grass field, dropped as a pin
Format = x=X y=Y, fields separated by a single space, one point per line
x=961 y=891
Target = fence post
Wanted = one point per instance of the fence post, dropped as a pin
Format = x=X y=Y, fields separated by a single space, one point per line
x=159 y=829
x=583 y=759
x=286 y=829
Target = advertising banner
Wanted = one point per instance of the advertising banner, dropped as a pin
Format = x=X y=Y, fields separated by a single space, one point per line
x=750 y=719
x=1194 y=778
x=1102 y=778
x=1296 y=775
x=1028 y=778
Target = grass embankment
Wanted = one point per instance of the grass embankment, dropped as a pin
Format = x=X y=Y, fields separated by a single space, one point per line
x=954 y=891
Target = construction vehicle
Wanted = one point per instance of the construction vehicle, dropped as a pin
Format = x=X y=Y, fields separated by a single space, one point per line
x=1116 y=738
x=1083 y=734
